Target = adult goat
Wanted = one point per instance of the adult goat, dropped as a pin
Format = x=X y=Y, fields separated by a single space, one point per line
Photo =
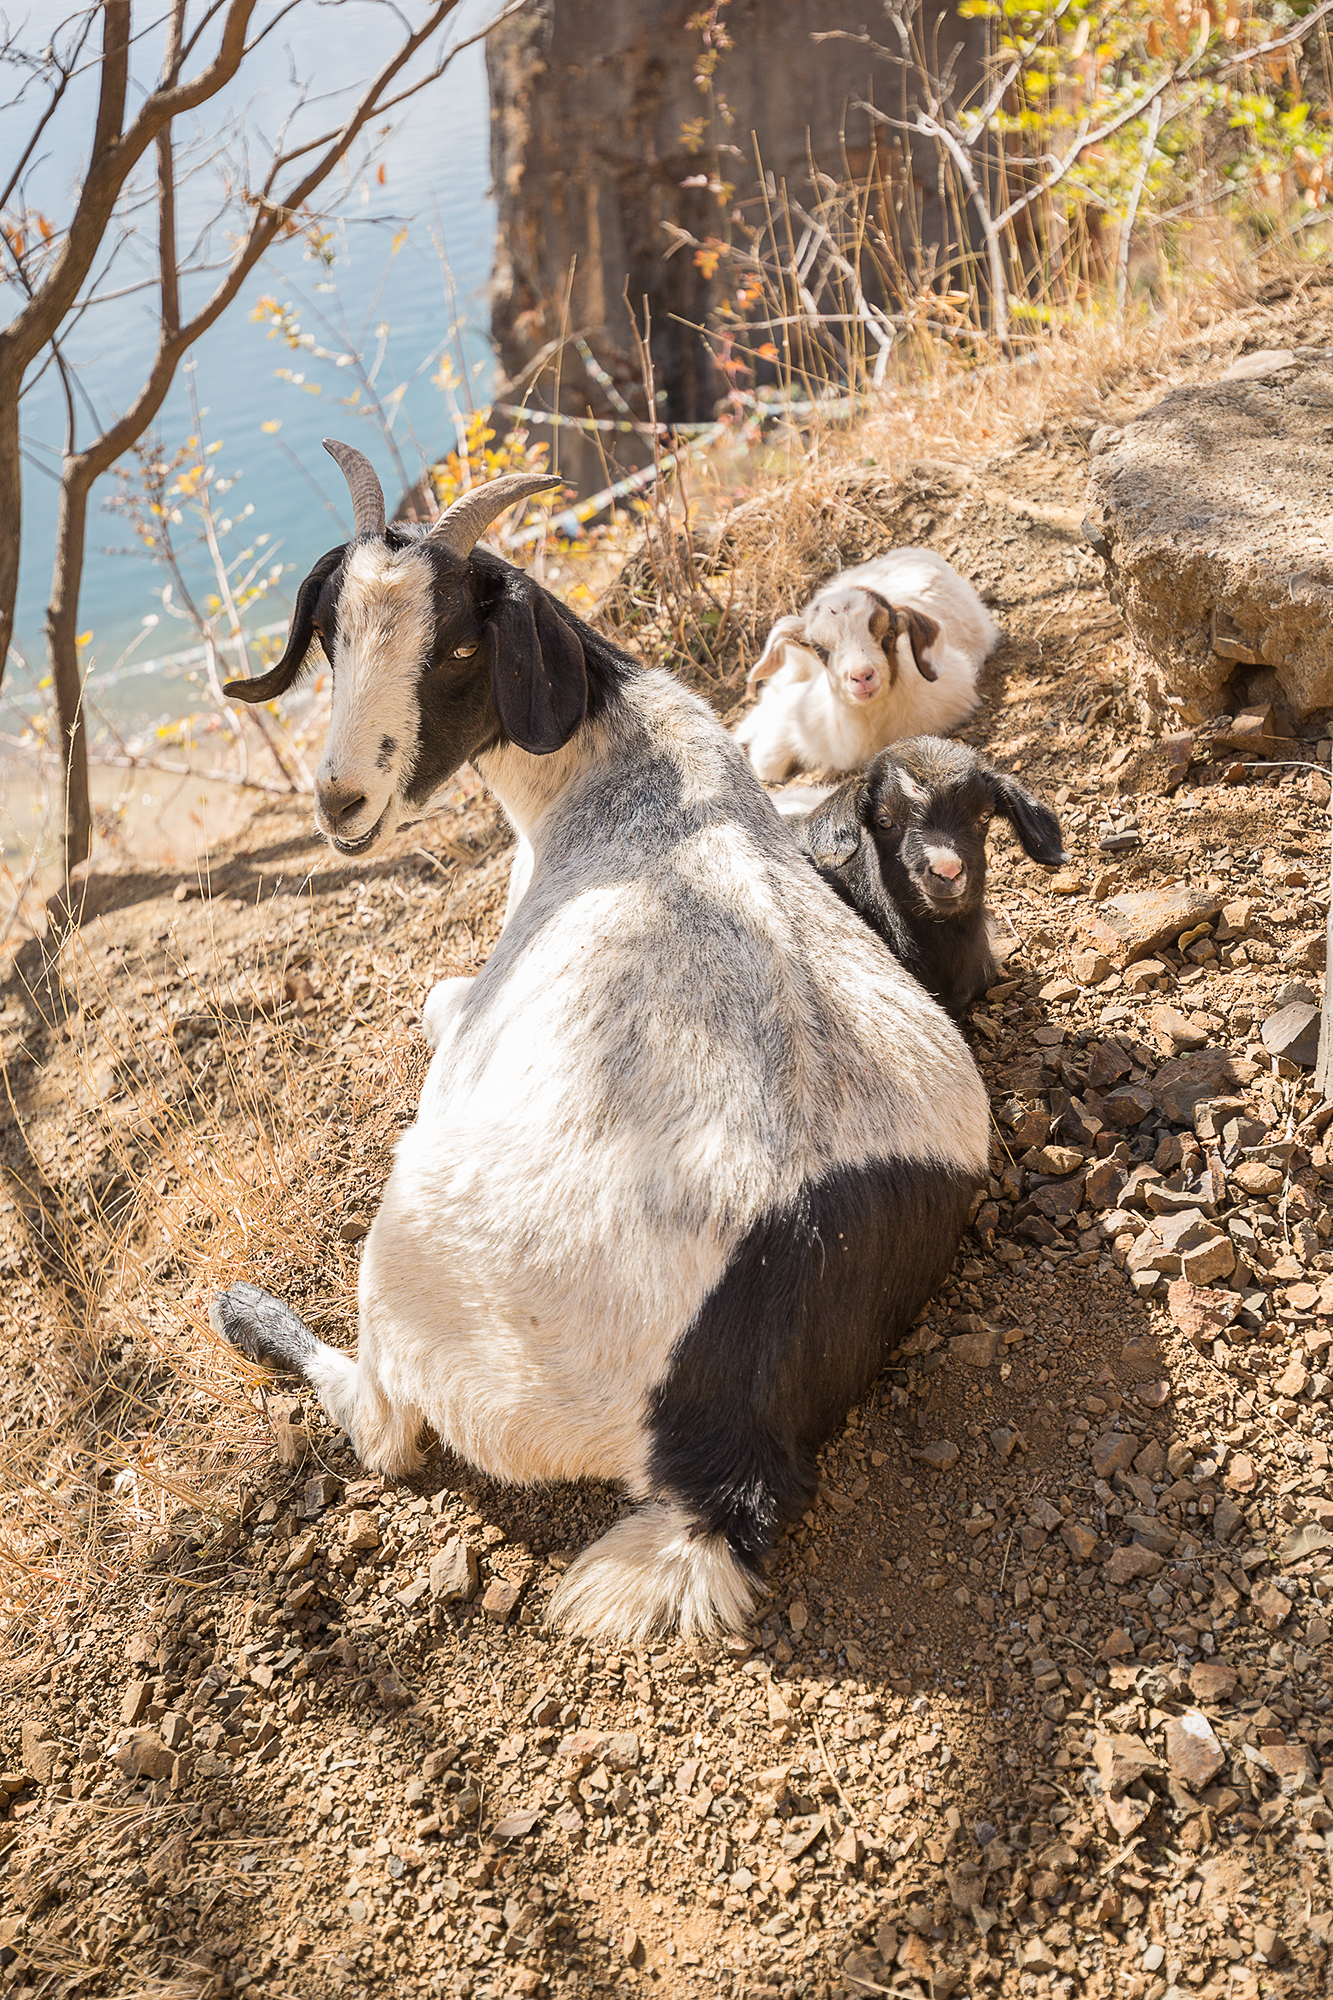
x=693 y=1148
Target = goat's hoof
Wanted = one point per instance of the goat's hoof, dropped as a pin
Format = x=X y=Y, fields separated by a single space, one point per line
x=262 y=1328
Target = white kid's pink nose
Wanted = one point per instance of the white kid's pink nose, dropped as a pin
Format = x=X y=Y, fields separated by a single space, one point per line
x=863 y=676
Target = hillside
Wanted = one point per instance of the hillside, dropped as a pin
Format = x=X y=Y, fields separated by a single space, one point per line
x=1039 y=1702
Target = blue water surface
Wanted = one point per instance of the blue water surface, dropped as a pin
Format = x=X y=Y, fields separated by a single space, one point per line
x=436 y=186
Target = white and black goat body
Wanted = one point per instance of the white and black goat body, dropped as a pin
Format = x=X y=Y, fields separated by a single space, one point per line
x=905 y=844
x=888 y=649
x=693 y=1148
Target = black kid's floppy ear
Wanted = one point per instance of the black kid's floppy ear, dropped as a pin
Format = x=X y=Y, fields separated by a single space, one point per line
x=1035 y=824
x=921 y=632
x=538 y=675
x=299 y=634
x=832 y=832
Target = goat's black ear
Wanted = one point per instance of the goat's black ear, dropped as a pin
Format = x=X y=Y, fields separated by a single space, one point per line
x=538 y=674
x=832 y=832
x=1035 y=824
x=299 y=634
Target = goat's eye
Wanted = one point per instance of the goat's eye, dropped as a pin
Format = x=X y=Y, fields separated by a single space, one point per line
x=465 y=652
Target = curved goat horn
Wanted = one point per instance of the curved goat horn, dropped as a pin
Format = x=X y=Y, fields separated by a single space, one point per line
x=363 y=484
x=461 y=526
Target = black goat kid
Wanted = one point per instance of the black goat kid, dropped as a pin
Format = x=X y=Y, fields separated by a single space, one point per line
x=904 y=842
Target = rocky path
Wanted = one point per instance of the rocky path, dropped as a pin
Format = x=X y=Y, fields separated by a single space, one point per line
x=1039 y=1703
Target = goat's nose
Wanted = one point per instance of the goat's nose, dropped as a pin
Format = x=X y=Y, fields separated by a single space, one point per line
x=947 y=865
x=337 y=801
x=861 y=676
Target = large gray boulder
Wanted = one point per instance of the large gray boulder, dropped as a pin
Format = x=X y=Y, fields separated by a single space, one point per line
x=1213 y=511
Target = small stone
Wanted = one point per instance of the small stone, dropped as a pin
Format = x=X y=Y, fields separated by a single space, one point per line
x=1241 y=1473
x=1183 y=1082
x=1004 y=1442
x=1079 y=1540
x=140 y=1650
x=324 y=1490
x=1174 y=1031
x=1154 y=1955
x=145 y=1755
x=39 y=1752
x=362 y=1532
x=1067 y=882
x=175 y=1731
x=1256 y=1177
x=352 y=1228
x=1212 y=1680
x=291 y=1442
x=1117 y=1645
x=454 y=1575
x=1293 y=1033
x=1152 y=1395
x=1269 y=1945
x=1199 y=1313
x=301 y=1552
x=1127 y=927
x=1293 y=1380
x=1215 y=1258
x=1113 y=1453
x=622 y=1751
x=1192 y=1749
x=938 y=1456
x=1127 y=1106
x=1144 y=976
x=798 y=1614
x=848 y=1849
x=134 y=1701
x=1122 y=1760
x=500 y=1600
x=976 y=1350
x=1089 y=967
x=1272 y=1605
x=1127 y=1565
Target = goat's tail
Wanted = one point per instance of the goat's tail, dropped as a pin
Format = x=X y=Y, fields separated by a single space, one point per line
x=654 y=1573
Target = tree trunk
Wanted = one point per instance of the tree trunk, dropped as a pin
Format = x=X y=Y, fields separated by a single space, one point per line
x=62 y=629
x=11 y=501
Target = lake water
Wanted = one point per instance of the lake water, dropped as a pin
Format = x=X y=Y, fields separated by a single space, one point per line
x=436 y=185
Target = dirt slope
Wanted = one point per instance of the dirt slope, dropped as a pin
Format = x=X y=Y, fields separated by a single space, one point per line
x=273 y=1727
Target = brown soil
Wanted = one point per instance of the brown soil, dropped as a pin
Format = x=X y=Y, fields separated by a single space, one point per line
x=252 y=1738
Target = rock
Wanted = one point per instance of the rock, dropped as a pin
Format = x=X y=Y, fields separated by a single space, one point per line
x=1079 y=1540
x=1256 y=1177
x=1212 y=508
x=976 y=1350
x=1212 y=1680
x=798 y=1614
x=1182 y=1083
x=175 y=1731
x=352 y=1228
x=1293 y=1033
x=1293 y=1379
x=145 y=1755
x=1215 y=1258
x=362 y=1532
x=1121 y=1761
x=1144 y=975
x=500 y=1600
x=40 y=1752
x=166 y=1866
x=1089 y=967
x=1113 y=1453
x=1271 y=1604
x=1067 y=882
x=1117 y=1645
x=302 y=1551
x=134 y=1701
x=1152 y=1395
x=1269 y=1944
x=622 y=1751
x=324 y=1490
x=1173 y=1031
x=140 y=1650
x=1200 y=1314
x=938 y=1456
x=1241 y=1473
x=291 y=1442
x=1129 y=926
x=453 y=1573
x=1053 y=1161
x=1129 y=1564
x=1126 y=1107
x=1192 y=1749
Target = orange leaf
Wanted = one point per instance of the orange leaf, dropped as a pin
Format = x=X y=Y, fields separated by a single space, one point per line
x=380 y=176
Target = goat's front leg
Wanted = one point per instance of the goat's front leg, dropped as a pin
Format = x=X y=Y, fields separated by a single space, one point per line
x=439 y=1016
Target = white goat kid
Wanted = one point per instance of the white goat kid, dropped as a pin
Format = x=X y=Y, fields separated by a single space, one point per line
x=693 y=1148
x=891 y=648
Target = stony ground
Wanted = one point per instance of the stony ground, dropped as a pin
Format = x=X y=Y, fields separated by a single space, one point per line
x=1039 y=1701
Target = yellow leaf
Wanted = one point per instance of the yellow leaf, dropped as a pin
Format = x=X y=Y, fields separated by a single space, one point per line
x=272 y=425
x=399 y=239
x=83 y=638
